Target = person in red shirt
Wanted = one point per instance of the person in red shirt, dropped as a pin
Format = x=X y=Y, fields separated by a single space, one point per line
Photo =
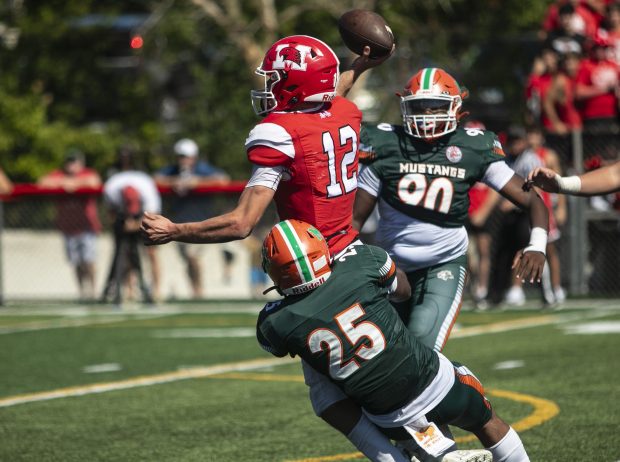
x=305 y=158
x=597 y=89
x=612 y=26
x=585 y=20
x=76 y=217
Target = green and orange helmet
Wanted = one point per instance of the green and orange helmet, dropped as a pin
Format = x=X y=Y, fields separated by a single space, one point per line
x=431 y=103
x=296 y=257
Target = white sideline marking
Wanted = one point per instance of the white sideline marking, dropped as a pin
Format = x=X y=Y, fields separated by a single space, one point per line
x=144 y=381
x=601 y=327
x=76 y=322
x=98 y=368
x=513 y=364
x=224 y=332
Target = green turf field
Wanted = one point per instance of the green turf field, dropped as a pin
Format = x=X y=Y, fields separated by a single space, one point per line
x=189 y=383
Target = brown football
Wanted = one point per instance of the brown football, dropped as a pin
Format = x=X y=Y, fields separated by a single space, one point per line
x=359 y=28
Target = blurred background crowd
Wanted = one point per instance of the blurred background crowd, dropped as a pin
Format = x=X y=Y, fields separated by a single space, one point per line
x=111 y=109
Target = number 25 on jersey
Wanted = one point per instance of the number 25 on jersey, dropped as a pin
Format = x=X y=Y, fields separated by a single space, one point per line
x=326 y=339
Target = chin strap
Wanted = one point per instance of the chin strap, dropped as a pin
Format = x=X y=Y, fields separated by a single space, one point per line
x=273 y=288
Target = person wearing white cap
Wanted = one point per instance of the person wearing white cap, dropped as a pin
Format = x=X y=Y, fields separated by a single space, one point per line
x=186 y=175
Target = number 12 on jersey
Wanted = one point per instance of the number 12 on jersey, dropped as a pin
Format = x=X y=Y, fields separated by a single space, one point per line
x=336 y=165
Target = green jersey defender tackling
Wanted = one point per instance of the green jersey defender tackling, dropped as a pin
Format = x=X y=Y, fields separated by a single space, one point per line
x=336 y=317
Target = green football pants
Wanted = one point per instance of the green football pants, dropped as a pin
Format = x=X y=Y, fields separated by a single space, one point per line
x=437 y=293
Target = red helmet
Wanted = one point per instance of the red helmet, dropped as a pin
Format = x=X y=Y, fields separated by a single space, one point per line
x=431 y=103
x=296 y=257
x=296 y=69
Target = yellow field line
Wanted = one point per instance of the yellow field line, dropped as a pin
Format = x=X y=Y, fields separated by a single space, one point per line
x=544 y=409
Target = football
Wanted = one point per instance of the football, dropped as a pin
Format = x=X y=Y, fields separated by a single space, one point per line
x=359 y=28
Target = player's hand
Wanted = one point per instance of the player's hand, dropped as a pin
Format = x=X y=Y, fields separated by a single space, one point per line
x=543 y=178
x=157 y=229
x=364 y=61
x=529 y=265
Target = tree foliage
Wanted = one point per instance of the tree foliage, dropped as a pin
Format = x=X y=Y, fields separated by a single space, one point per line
x=73 y=80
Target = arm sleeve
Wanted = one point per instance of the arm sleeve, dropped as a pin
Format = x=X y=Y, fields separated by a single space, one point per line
x=266 y=176
x=369 y=181
x=263 y=341
x=385 y=269
x=497 y=175
x=270 y=144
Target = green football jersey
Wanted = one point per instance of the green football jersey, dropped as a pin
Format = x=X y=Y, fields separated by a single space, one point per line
x=429 y=181
x=347 y=330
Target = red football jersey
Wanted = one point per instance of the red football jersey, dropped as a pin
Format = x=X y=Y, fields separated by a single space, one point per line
x=319 y=151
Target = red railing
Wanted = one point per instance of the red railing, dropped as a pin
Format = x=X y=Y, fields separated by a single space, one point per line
x=30 y=189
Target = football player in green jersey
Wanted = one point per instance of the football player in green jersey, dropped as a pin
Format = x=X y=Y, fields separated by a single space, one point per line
x=420 y=177
x=336 y=317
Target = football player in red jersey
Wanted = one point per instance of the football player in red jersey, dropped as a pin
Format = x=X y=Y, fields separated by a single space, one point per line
x=304 y=151
x=305 y=158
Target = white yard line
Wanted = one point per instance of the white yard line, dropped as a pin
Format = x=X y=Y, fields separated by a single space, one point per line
x=144 y=381
x=78 y=322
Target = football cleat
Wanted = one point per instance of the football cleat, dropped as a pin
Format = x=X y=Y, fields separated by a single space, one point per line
x=472 y=455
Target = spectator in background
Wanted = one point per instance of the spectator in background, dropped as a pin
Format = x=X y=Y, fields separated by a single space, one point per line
x=482 y=202
x=557 y=207
x=566 y=37
x=597 y=90
x=76 y=217
x=187 y=174
x=543 y=69
x=560 y=115
x=514 y=232
x=583 y=20
x=128 y=193
x=5 y=184
x=612 y=28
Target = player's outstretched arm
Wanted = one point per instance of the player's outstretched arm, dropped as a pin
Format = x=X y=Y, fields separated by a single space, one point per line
x=361 y=64
x=238 y=224
x=604 y=180
x=530 y=261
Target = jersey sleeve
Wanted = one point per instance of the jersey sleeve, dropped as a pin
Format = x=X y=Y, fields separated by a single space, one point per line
x=489 y=149
x=369 y=181
x=269 y=144
x=384 y=268
x=264 y=335
x=370 y=141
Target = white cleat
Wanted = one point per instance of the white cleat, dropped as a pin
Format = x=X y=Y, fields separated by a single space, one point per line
x=473 y=455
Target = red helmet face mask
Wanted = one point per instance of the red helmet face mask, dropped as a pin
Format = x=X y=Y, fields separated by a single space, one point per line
x=297 y=69
x=431 y=104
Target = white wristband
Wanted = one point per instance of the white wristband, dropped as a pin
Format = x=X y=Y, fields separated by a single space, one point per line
x=568 y=184
x=538 y=241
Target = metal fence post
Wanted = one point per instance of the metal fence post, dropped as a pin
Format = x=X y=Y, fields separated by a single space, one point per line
x=577 y=232
x=1 y=261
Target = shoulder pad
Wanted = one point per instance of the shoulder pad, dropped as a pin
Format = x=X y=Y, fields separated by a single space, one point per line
x=475 y=138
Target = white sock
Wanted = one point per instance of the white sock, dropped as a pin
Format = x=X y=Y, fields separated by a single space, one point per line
x=509 y=449
x=374 y=444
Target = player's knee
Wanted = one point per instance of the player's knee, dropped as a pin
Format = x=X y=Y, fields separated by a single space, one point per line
x=342 y=415
x=424 y=323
